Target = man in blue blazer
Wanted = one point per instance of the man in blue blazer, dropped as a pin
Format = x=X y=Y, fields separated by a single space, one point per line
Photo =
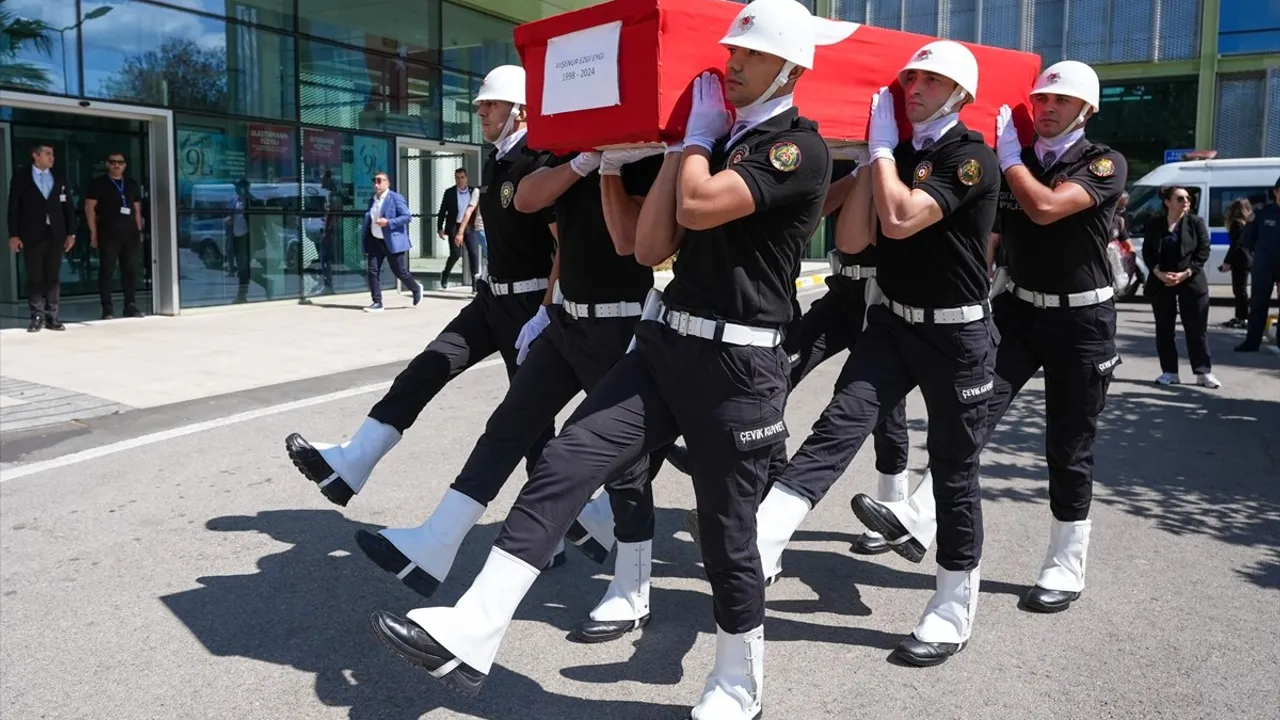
x=384 y=232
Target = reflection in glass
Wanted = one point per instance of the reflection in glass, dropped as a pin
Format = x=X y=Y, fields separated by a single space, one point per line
x=347 y=88
x=237 y=255
x=143 y=53
x=276 y=13
x=408 y=29
x=1143 y=119
x=38 y=46
x=458 y=118
x=476 y=42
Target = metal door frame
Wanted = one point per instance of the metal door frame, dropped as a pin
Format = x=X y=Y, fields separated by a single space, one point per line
x=163 y=173
x=473 y=152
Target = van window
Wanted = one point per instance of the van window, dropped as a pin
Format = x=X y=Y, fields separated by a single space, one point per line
x=1145 y=203
x=1220 y=198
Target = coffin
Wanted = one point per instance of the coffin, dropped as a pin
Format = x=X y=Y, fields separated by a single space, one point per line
x=620 y=74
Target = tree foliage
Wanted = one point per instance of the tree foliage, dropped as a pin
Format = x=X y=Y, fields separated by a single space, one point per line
x=179 y=73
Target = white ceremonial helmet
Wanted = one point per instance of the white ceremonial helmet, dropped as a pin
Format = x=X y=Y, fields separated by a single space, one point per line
x=786 y=29
x=504 y=83
x=950 y=60
x=1071 y=78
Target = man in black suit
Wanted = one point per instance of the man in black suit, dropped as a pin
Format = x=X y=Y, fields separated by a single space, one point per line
x=455 y=222
x=42 y=223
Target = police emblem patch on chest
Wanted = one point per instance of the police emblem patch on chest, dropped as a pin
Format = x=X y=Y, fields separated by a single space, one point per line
x=969 y=172
x=1057 y=180
x=1102 y=167
x=922 y=173
x=739 y=154
x=784 y=156
x=508 y=191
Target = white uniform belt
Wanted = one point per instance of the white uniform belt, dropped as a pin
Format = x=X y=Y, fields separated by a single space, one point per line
x=602 y=310
x=937 y=316
x=707 y=329
x=857 y=272
x=1053 y=300
x=502 y=287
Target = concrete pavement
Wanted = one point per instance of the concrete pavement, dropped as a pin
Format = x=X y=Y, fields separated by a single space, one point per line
x=199 y=575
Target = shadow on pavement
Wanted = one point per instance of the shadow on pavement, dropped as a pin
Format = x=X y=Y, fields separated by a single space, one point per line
x=1190 y=459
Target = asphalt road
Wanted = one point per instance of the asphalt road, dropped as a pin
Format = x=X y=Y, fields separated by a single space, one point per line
x=198 y=575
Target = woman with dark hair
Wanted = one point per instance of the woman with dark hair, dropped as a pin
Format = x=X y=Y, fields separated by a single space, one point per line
x=1176 y=247
x=1239 y=259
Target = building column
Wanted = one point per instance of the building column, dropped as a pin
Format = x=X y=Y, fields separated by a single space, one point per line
x=1207 y=90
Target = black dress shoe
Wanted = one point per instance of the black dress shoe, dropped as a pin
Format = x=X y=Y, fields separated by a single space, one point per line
x=598 y=631
x=310 y=463
x=581 y=539
x=1248 y=347
x=678 y=456
x=387 y=556
x=414 y=645
x=133 y=312
x=867 y=544
x=108 y=315
x=559 y=559
x=1048 y=601
x=54 y=324
x=877 y=518
x=923 y=654
x=691 y=526
x=36 y=324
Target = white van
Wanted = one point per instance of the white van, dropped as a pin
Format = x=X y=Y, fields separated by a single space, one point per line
x=1213 y=186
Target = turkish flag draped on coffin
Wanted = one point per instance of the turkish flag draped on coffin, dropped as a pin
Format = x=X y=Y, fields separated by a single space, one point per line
x=621 y=73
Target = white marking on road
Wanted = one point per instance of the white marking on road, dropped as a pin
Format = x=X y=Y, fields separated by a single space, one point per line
x=22 y=471
x=10 y=401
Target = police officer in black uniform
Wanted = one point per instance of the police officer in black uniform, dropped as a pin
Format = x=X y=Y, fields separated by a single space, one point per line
x=113 y=210
x=710 y=367
x=935 y=198
x=1057 y=311
x=588 y=332
x=521 y=252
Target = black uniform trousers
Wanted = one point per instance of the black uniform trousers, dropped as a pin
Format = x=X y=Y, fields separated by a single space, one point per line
x=726 y=400
x=954 y=366
x=488 y=324
x=1193 y=305
x=42 y=261
x=1076 y=347
x=118 y=247
x=833 y=325
x=1266 y=279
x=399 y=262
x=470 y=241
x=570 y=355
x=1240 y=291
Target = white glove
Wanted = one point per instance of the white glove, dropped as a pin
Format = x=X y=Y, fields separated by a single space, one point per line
x=1007 y=144
x=611 y=161
x=708 y=118
x=585 y=162
x=530 y=332
x=882 y=136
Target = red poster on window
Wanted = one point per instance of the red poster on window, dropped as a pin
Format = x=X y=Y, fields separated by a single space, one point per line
x=322 y=148
x=272 y=152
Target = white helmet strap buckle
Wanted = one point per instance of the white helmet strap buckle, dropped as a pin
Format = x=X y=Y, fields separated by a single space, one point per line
x=784 y=76
x=958 y=95
x=511 y=121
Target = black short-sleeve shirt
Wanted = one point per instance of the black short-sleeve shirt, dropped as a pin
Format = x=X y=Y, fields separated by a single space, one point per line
x=521 y=245
x=591 y=270
x=744 y=271
x=944 y=265
x=111 y=197
x=1069 y=255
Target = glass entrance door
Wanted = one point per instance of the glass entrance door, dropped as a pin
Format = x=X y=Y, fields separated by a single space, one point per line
x=426 y=170
x=81 y=144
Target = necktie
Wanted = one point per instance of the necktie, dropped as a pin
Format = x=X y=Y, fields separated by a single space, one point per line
x=45 y=185
x=1049 y=159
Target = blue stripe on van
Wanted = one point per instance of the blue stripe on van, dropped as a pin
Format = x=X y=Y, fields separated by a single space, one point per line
x=1219 y=237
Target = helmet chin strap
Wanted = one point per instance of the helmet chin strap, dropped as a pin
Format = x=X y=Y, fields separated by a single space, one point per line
x=1079 y=123
x=957 y=96
x=784 y=76
x=511 y=121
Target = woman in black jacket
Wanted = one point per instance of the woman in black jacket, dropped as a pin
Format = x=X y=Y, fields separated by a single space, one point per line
x=1239 y=259
x=1176 y=246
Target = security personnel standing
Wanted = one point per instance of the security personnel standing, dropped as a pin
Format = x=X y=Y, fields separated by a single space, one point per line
x=521 y=256
x=42 y=224
x=711 y=367
x=113 y=209
x=586 y=334
x=1057 y=312
x=1263 y=237
x=935 y=199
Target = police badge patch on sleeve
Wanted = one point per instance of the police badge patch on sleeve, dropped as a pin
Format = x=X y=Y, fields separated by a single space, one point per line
x=508 y=191
x=1057 y=181
x=784 y=156
x=922 y=173
x=1102 y=167
x=739 y=154
x=763 y=436
x=970 y=172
